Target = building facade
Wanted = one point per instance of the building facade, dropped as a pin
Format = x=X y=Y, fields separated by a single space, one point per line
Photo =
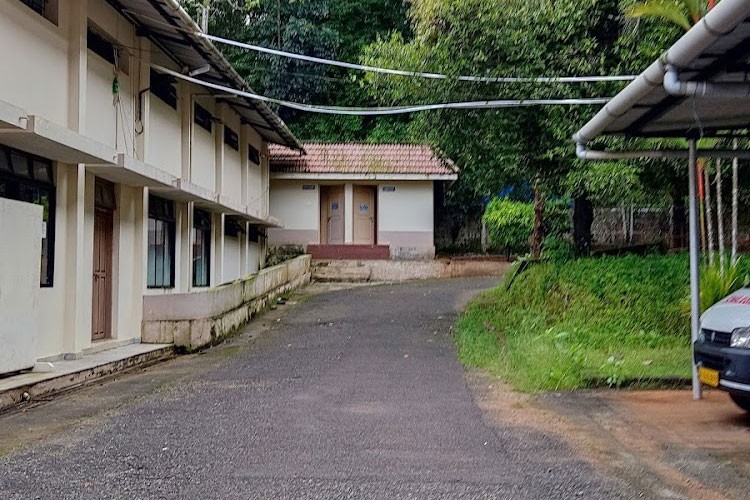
x=147 y=184
x=358 y=201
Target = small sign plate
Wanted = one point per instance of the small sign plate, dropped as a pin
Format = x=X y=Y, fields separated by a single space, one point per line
x=308 y=187
x=708 y=376
x=389 y=189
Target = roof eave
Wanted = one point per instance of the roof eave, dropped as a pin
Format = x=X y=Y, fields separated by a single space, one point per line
x=721 y=20
x=225 y=68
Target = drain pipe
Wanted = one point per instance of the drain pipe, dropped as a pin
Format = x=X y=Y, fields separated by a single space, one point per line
x=674 y=86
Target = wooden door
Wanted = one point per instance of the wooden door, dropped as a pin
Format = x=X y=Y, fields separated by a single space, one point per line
x=334 y=210
x=101 y=318
x=364 y=215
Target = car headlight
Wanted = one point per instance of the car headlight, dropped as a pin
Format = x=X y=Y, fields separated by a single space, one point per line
x=741 y=338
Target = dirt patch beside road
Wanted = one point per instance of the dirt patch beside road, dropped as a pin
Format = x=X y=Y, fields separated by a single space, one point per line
x=661 y=444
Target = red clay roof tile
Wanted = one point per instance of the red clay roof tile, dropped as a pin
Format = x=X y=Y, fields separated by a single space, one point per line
x=359 y=159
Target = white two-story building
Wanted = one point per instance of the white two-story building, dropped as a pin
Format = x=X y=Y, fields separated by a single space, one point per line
x=117 y=181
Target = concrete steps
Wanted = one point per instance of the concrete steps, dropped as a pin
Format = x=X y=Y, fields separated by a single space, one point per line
x=356 y=271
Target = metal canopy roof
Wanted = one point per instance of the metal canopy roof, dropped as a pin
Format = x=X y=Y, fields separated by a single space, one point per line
x=717 y=49
x=170 y=28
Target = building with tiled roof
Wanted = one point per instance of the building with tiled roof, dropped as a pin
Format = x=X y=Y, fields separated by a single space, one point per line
x=358 y=200
x=371 y=159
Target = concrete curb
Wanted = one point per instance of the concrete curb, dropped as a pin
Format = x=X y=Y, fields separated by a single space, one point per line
x=56 y=383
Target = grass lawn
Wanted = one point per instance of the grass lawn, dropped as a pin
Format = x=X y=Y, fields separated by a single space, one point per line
x=582 y=323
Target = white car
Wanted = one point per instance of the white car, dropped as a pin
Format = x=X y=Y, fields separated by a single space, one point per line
x=722 y=351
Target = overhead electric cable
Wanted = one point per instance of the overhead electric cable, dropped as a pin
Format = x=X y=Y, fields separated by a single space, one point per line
x=389 y=71
x=419 y=74
x=390 y=110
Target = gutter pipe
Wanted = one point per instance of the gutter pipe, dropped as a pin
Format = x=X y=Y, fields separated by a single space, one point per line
x=674 y=86
x=587 y=154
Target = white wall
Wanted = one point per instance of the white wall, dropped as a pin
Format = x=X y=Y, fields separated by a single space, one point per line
x=127 y=295
x=408 y=208
x=295 y=207
x=164 y=148
x=231 y=265
x=34 y=61
x=203 y=151
x=406 y=219
x=21 y=226
x=106 y=122
x=232 y=178
x=253 y=251
x=256 y=188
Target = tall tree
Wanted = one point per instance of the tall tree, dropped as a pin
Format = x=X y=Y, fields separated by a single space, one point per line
x=519 y=38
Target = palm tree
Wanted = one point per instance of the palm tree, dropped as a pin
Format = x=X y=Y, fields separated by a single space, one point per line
x=683 y=13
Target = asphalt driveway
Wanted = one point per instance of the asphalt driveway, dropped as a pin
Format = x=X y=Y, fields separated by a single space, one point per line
x=349 y=394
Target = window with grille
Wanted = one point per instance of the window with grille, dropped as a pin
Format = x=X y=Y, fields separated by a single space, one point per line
x=201 y=247
x=28 y=178
x=161 y=242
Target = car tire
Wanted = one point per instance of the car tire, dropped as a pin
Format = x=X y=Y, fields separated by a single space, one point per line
x=741 y=401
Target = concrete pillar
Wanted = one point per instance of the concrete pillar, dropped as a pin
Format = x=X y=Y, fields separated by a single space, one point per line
x=265 y=177
x=245 y=164
x=348 y=213
x=217 y=249
x=184 y=262
x=77 y=64
x=76 y=191
x=185 y=107
x=244 y=252
x=143 y=99
x=219 y=147
x=140 y=251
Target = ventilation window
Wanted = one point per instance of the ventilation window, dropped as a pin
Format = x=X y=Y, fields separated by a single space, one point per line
x=203 y=118
x=45 y=8
x=162 y=86
x=107 y=49
x=253 y=155
x=231 y=139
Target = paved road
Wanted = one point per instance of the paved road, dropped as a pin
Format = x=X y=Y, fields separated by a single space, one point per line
x=351 y=394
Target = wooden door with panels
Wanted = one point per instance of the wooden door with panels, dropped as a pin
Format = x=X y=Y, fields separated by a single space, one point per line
x=104 y=207
x=332 y=215
x=364 y=215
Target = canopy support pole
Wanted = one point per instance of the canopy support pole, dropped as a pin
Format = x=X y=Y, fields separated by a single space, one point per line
x=694 y=263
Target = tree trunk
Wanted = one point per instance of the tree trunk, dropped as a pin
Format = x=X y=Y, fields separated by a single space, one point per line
x=720 y=218
x=735 y=203
x=583 y=218
x=709 y=217
x=678 y=221
x=538 y=235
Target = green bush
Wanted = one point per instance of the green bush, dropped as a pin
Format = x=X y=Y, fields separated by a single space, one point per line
x=562 y=325
x=558 y=249
x=557 y=218
x=509 y=224
x=715 y=284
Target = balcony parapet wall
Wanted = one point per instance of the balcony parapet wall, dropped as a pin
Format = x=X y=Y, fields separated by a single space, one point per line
x=198 y=319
